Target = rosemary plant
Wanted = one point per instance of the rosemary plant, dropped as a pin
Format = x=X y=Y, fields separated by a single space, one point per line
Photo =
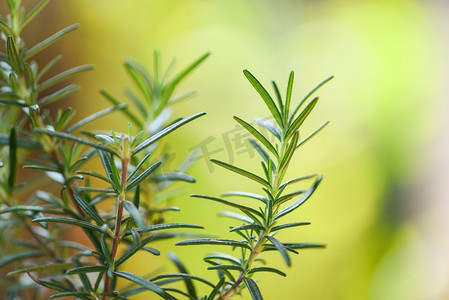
x=120 y=210
x=260 y=224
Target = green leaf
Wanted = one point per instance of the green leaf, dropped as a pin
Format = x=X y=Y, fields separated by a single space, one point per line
x=111 y=172
x=287 y=197
x=134 y=213
x=128 y=254
x=260 y=150
x=74 y=138
x=12 y=159
x=43 y=268
x=241 y=172
x=87 y=269
x=246 y=227
x=165 y=131
x=296 y=180
x=72 y=221
x=270 y=127
x=301 y=118
x=226 y=267
x=70 y=294
x=312 y=134
x=182 y=269
x=126 y=111
x=61 y=76
x=253 y=288
x=281 y=248
x=183 y=276
x=288 y=97
x=167 y=91
x=5 y=28
x=47 y=67
x=144 y=283
x=257 y=135
x=236 y=216
x=33 y=13
x=142 y=176
x=173 y=176
x=167 y=226
x=223 y=256
x=232 y=204
x=265 y=96
x=246 y=195
x=48 y=41
x=64 y=92
x=216 y=289
x=13 y=55
x=19 y=256
x=288 y=225
x=95 y=116
x=30 y=208
x=266 y=269
x=136 y=198
x=210 y=241
x=278 y=97
x=91 y=212
x=300 y=201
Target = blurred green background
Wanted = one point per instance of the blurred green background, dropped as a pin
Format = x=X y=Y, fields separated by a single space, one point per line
x=381 y=210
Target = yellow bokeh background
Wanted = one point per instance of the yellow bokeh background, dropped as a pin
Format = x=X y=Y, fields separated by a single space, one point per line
x=381 y=207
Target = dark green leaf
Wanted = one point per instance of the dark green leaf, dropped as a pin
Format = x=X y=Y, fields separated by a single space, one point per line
x=301 y=118
x=312 y=134
x=167 y=226
x=128 y=254
x=228 y=203
x=278 y=97
x=246 y=227
x=241 y=172
x=165 y=131
x=108 y=165
x=91 y=212
x=136 y=198
x=223 y=256
x=265 y=96
x=288 y=225
x=246 y=195
x=13 y=55
x=288 y=97
x=253 y=288
x=308 y=95
x=209 y=241
x=183 y=276
x=181 y=268
x=12 y=159
x=216 y=289
x=226 y=267
x=300 y=201
x=144 y=283
x=70 y=294
x=281 y=248
x=266 y=269
x=142 y=176
x=296 y=179
x=260 y=150
x=87 y=269
x=257 y=135
x=71 y=221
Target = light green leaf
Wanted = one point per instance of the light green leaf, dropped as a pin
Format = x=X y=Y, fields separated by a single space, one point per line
x=48 y=41
x=257 y=135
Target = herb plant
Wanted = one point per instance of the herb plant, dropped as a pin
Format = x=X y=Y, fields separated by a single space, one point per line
x=49 y=190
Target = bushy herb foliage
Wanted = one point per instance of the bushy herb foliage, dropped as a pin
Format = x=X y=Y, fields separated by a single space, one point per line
x=121 y=209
